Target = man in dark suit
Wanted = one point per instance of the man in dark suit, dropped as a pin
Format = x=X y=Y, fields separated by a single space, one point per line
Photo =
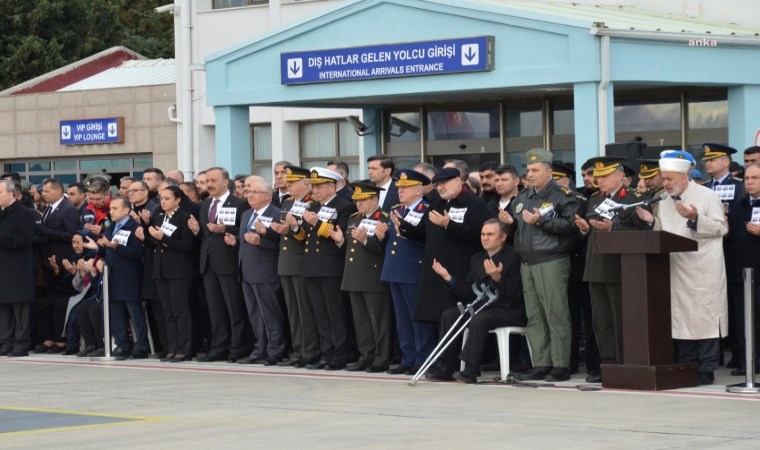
x=498 y=266
x=123 y=254
x=342 y=188
x=280 y=188
x=365 y=239
x=303 y=327
x=60 y=220
x=258 y=250
x=323 y=266
x=380 y=169
x=16 y=278
x=219 y=214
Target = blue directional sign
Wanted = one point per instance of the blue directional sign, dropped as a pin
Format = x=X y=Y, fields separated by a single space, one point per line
x=92 y=131
x=409 y=59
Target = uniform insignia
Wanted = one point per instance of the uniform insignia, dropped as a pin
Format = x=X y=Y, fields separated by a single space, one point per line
x=403 y=176
x=546 y=205
x=599 y=165
x=288 y=171
x=421 y=206
x=355 y=214
x=533 y=157
x=358 y=189
x=568 y=192
x=623 y=192
x=519 y=208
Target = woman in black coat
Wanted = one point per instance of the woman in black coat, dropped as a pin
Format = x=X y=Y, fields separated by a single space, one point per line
x=172 y=242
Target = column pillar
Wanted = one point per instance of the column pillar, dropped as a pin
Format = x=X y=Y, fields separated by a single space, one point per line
x=233 y=138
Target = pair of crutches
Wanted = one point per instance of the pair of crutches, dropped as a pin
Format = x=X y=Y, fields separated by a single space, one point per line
x=482 y=292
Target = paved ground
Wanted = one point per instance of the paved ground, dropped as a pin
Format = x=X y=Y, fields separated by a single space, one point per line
x=149 y=404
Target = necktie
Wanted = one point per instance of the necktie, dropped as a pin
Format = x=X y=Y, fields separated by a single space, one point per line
x=116 y=228
x=253 y=219
x=212 y=212
x=676 y=198
x=46 y=213
x=755 y=203
x=716 y=183
x=403 y=211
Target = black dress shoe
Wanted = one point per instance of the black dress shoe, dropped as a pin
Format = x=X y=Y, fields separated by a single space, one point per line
x=120 y=355
x=739 y=372
x=97 y=353
x=252 y=359
x=179 y=358
x=55 y=349
x=167 y=357
x=398 y=370
x=594 y=378
x=558 y=374
x=272 y=361
x=319 y=365
x=234 y=358
x=438 y=373
x=70 y=351
x=86 y=351
x=41 y=348
x=538 y=373
x=412 y=370
x=706 y=378
x=357 y=367
x=138 y=354
x=5 y=349
x=468 y=375
x=211 y=357
x=335 y=366
x=292 y=362
x=375 y=369
x=18 y=353
x=162 y=355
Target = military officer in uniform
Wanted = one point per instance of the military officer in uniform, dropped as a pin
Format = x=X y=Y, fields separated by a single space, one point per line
x=649 y=171
x=603 y=271
x=365 y=239
x=730 y=189
x=543 y=218
x=402 y=268
x=303 y=327
x=323 y=262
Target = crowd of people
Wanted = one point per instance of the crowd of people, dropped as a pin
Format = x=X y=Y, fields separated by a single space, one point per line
x=316 y=272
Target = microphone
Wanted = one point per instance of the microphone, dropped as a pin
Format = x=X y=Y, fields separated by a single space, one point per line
x=647 y=202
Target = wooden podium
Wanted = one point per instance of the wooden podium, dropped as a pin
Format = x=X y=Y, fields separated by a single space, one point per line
x=647 y=339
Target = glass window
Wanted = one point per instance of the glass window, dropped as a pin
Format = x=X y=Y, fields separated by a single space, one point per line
x=404 y=127
x=348 y=140
x=65 y=165
x=708 y=114
x=458 y=125
x=143 y=161
x=318 y=139
x=37 y=179
x=222 y=4
x=524 y=122
x=39 y=166
x=563 y=121
x=262 y=142
x=14 y=167
x=648 y=116
x=67 y=179
x=97 y=164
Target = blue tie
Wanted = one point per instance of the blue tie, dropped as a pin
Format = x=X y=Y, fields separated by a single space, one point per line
x=116 y=228
x=253 y=219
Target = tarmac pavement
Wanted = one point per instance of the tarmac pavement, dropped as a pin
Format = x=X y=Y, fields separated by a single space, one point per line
x=65 y=402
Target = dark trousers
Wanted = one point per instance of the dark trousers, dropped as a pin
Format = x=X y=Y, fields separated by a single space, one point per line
x=607 y=311
x=230 y=330
x=416 y=339
x=736 y=328
x=372 y=322
x=303 y=328
x=266 y=318
x=478 y=328
x=581 y=320
x=199 y=313
x=121 y=312
x=157 y=323
x=703 y=351
x=50 y=314
x=330 y=314
x=90 y=318
x=14 y=325
x=175 y=305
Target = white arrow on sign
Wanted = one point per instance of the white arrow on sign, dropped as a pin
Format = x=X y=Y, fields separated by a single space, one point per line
x=470 y=56
x=295 y=68
x=65 y=131
x=112 y=130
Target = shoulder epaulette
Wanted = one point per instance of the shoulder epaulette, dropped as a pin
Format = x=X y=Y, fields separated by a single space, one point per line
x=567 y=191
x=706 y=182
x=738 y=180
x=580 y=196
x=357 y=213
x=397 y=205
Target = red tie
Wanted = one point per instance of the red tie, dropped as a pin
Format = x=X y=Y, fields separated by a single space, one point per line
x=212 y=212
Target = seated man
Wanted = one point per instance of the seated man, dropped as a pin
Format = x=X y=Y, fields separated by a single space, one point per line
x=499 y=266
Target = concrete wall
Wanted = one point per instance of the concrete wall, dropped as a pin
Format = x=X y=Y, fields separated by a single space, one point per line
x=29 y=124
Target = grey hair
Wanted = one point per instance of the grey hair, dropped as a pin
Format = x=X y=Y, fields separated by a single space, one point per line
x=10 y=186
